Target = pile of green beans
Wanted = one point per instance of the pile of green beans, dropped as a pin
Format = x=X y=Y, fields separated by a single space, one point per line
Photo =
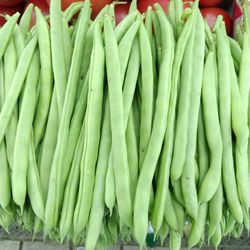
x=109 y=131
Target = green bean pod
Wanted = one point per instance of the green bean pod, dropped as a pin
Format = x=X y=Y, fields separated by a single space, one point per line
x=130 y=80
x=53 y=204
x=46 y=87
x=215 y=207
x=6 y=32
x=75 y=128
x=188 y=176
x=147 y=92
x=133 y=158
x=123 y=26
x=163 y=232
x=159 y=202
x=25 y=20
x=182 y=119
x=98 y=204
x=70 y=194
x=73 y=9
x=119 y=149
x=157 y=136
x=240 y=126
x=5 y=180
x=213 y=131
x=169 y=213
x=23 y=134
x=49 y=145
x=93 y=127
x=10 y=64
x=16 y=86
x=57 y=51
x=174 y=240
x=110 y=185
x=33 y=183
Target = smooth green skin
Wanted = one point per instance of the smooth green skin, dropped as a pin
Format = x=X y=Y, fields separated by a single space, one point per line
x=158 y=38
x=147 y=92
x=75 y=129
x=174 y=15
x=238 y=34
x=178 y=192
x=228 y=174
x=213 y=131
x=19 y=41
x=5 y=184
x=70 y=194
x=125 y=47
x=130 y=80
x=169 y=213
x=133 y=154
x=6 y=32
x=33 y=183
x=215 y=209
x=98 y=204
x=197 y=230
x=241 y=130
x=133 y=6
x=92 y=134
x=16 y=86
x=148 y=26
x=188 y=176
x=23 y=134
x=58 y=53
x=202 y=149
x=25 y=19
x=46 y=84
x=72 y=10
x=174 y=240
x=182 y=119
x=236 y=50
x=54 y=202
x=229 y=179
x=128 y=94
x=89 y=42
x=67 y=44
x=119 y=149
x=110 y=185
x=49 y=145
x=10 y=64
x=198 y=226
x=142 y=197
x=123 y=26
x=160 y=197
x=240 y=127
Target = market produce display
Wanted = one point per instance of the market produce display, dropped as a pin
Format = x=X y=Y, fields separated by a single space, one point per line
x=107 y=129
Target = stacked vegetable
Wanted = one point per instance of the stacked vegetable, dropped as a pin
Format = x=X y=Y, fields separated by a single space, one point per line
x=107 y=128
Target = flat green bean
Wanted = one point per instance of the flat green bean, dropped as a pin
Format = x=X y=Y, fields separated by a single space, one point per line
x=213 y=131
x=25 y=21
x=16 y=86
x=157 y=136
x=119 y=151
x=10 y=64
x=23 y=134
x=188 y=176
x=53 y=204
x=46 y=85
